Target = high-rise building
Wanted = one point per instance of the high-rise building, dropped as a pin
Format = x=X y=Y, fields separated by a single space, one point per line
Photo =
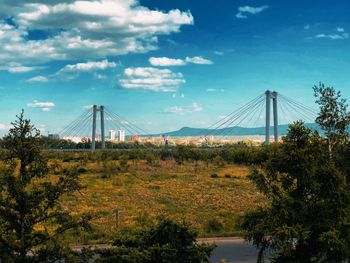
x=112 y=135
x=121 y=135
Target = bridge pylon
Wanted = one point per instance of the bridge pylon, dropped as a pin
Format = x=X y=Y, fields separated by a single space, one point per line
x=271 y=95
x=96 y=109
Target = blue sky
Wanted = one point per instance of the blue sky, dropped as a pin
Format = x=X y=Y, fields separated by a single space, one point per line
x=165 y=64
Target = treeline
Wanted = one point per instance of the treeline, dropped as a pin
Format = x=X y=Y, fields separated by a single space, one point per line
x=239 y=153
x=62 y=144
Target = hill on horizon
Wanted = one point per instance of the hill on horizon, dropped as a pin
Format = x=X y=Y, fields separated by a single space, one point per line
x=232 y=131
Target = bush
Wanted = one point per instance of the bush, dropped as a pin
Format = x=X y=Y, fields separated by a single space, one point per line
x=123 y=163
x=228 y=176
x=219 y=161
x=165 y=242
x=82 y=169
x=109 y=168
x=214 y=176
x=214 y=226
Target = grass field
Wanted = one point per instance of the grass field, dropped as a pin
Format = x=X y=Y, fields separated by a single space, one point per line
x=211 y=198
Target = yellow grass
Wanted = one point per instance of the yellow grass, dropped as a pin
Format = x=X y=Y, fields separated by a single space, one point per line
x=181 y=192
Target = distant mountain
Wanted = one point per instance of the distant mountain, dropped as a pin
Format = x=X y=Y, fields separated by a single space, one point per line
x=233 y=131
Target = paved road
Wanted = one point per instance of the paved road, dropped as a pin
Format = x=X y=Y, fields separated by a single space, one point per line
x=233 y=250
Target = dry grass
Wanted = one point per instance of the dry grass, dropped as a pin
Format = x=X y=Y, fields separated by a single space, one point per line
x=143 y=192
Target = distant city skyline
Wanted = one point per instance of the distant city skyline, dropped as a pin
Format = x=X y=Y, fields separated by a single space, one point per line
x=165 y=64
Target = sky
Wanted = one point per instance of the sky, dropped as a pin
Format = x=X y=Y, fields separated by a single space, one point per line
x=165 y=64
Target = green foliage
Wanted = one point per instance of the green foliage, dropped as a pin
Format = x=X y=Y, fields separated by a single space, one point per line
x=82 y=169
x=165 y=242
x=214 y=176
x=214 y=226
x=309 y=212
x=150 y=158
x=333 y=117
x=109 y=169
x=123 y=163
x=29 y=201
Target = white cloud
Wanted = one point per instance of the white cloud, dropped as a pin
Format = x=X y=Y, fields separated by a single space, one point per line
x=82 y=29
x=88 y=66
x=333 y=36
x=71 y=71
x=219 y=53
x=44 y=106
x=239 y=15
x=148 y=78
x=307 y=27
x=99 y=76
x=244 y=10
x=87 y=107
x=38 y=79
x=18 y=68
x=4 y=127
x=165 y=62
x=215 y=90
x=194 y=107
x=339 y=35
x=198 y=60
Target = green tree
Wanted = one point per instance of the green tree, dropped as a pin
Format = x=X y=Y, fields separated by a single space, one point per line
x=31 y=217
x=166 y=242
x=333 y=117
x=308 y=216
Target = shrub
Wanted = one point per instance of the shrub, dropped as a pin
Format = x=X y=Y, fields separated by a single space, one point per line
x=109 y=168
x=214 y=176
x=214 y=226
x=165 y=242
x=123 y=163
x=82 y=169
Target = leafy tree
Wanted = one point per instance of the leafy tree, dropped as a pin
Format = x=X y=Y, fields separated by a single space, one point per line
x=165 y=242
x=333 y=117
x=31 y=217
x=308 y=216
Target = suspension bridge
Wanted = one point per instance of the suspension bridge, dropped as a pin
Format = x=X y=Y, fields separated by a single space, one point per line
x=268 y=110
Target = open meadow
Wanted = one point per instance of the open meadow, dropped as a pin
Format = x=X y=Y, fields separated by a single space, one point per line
x=209 y=195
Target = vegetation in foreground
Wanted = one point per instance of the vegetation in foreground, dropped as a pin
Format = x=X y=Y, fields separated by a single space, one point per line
x=34 y=219
x=306 y=180
x=31 y=216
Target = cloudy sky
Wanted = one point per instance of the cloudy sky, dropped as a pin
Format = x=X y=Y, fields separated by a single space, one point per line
x=165 y=64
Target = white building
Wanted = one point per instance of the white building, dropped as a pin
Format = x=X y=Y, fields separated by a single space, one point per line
x=111 y=135
x=121 y=135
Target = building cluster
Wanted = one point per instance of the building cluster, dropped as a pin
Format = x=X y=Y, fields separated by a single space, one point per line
x=120 y=136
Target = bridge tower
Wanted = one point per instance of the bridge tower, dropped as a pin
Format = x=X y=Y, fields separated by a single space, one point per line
x=96 y=109
x=271 y=95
